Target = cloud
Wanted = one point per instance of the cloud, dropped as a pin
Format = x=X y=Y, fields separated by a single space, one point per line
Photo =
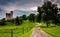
x=19 y=4
x=9 y=5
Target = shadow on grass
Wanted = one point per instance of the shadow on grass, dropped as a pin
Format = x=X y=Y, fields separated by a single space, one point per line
x=53 y=26
x=43 y=26
x=46 y=26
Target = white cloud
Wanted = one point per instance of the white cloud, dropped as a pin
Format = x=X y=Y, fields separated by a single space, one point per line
x=33 y=8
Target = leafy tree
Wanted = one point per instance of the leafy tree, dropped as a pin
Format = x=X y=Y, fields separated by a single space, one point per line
x=59 y=9
x=39 y=16
x=3 y=22
x=18 y=20
x=55 y=14
x=24 y=17
x=50 y=12
x=31 y=17
x=12 y=20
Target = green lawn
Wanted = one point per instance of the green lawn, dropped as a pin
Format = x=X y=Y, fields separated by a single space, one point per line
x=54 y=31
x=19 y=31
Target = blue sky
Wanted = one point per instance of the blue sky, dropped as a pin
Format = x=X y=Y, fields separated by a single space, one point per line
x=22 y=5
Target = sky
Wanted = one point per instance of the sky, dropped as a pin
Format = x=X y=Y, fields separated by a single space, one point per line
x=22 y=5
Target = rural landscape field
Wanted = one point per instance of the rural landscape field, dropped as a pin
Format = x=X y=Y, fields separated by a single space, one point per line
x=29 y=18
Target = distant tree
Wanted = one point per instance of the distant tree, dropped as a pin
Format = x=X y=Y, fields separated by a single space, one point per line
x=24 y=17
x=3 y=22
x=18 y=20
x=12 y=20
x=32 y=17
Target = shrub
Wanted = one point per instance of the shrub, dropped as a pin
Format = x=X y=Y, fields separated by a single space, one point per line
x=2 y=22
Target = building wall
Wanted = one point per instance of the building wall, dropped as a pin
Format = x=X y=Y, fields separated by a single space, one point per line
x=9 y=16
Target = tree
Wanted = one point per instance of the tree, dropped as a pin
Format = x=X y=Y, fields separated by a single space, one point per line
x=3 y=22
x=58 y=18
x=50 y=12
x=39 y=16
x=47 y=12
x=31 y=17
x=18 y=20
x=24 y=17
x=55 y=11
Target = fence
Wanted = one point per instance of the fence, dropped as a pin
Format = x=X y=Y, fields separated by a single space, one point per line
x=14 y=32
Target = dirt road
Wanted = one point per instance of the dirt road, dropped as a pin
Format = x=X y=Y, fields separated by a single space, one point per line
x=39 y=33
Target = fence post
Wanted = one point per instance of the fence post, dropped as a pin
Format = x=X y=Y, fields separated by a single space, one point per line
x=27 y=29
x=11 y=32
x=23 y=30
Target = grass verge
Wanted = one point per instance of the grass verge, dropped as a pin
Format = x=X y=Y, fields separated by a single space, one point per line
x=54 y=31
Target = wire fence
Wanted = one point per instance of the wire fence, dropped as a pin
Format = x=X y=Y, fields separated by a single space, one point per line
x=14 y=32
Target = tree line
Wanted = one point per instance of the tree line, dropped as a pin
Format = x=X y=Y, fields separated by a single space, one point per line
x=48 y=13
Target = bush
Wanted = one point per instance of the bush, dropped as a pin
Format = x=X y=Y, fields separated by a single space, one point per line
x=2 y=22
x=18 y=20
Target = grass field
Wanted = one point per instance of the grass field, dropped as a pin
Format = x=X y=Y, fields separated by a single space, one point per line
x=54 y=31
x=21 y=30
x=18 y=31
